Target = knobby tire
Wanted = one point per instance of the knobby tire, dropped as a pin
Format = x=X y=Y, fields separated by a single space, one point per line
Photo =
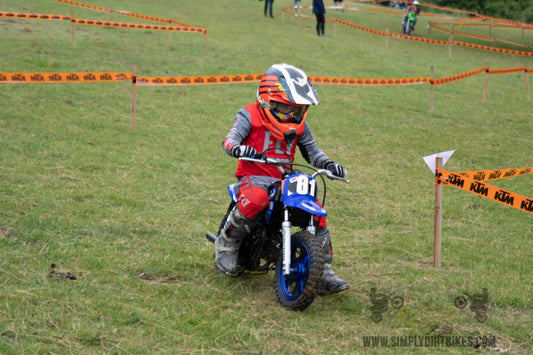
x=298 y=290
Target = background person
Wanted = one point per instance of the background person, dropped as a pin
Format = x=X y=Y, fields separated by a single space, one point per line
x=268 y=4
x=319 y=10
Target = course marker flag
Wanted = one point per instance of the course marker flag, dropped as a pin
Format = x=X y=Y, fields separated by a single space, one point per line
x=430 y=159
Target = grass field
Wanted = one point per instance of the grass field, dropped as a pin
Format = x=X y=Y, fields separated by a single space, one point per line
x=121 y=215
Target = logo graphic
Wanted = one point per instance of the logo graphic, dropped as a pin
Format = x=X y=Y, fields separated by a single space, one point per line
x=478 y=304
x=380 y=303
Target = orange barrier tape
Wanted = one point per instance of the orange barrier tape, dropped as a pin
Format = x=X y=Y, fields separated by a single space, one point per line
x=126 y=13
x=367 y=82
x=137 y=26
x=506 y=70
x=226 y=79
x=87 y=6
x=488 y=175
x=427 y=40
x=478 y=37
x=62 y=77
x=289 y=10
x=450 y=9
x=101 y=23
x=457 y=77
x=485 y=190
x=516 y=23
x=492 y=49
x=33 y=16
x=199 y=80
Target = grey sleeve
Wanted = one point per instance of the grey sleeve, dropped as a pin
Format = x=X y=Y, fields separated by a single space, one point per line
x=310 y=150
x=242 y=127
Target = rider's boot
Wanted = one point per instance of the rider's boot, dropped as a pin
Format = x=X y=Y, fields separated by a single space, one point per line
x=229 y=241
x=330 y=283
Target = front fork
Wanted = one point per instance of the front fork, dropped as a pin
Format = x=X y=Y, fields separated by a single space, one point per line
x=286 y=228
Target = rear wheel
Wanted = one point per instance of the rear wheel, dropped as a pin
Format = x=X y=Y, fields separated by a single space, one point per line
x=298 y=289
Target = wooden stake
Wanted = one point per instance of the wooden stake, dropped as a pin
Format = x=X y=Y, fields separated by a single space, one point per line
x=527 y=82
x=133 y=97
x=438 y=218
x=170 y=32
x=387 y=37
x=450 y=41
x=205 y=38
x=298 y=15
x=486 y=83
x=431 y=95
x=72 y=28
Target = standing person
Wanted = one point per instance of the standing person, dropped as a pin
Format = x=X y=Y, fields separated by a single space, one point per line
x=297 y=3
x=319 y=10
x=267 y=4
x=275 y=124
x=339 y=4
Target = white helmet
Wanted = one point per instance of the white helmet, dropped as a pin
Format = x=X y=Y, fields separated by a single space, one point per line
x=416 y=2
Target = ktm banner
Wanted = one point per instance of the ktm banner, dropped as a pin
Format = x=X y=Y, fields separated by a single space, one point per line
x=199 y=80
x=240 y=78
x=483 y=189
x=367 y=82
x=488 y=175
x=224 y=79
x=62 y=77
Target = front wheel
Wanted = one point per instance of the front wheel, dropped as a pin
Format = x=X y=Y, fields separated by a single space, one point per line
x=408 y=28
x=298 y=289
x=460 y=302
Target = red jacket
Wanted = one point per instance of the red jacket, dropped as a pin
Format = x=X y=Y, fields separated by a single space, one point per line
x=249 y=130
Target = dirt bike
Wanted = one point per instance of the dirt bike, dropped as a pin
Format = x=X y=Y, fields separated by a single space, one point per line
x=381 y=305
x=408 y=24
x=297 y=258
x=477 y=305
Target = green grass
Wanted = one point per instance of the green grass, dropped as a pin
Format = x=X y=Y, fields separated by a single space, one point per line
x=126 y=212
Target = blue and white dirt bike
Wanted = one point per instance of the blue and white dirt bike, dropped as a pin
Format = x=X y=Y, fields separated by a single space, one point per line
x=297 y=258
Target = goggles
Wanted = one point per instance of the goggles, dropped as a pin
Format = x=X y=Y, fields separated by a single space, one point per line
x=288 y=113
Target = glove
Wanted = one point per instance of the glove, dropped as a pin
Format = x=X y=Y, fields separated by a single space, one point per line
x=243 y=151
x=337 y=169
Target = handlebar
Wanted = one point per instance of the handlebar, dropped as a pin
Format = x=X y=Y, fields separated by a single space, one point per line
x=330 y=175
x=263 y=159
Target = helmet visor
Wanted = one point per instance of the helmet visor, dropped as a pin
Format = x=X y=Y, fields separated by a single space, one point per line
x=288 y=113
